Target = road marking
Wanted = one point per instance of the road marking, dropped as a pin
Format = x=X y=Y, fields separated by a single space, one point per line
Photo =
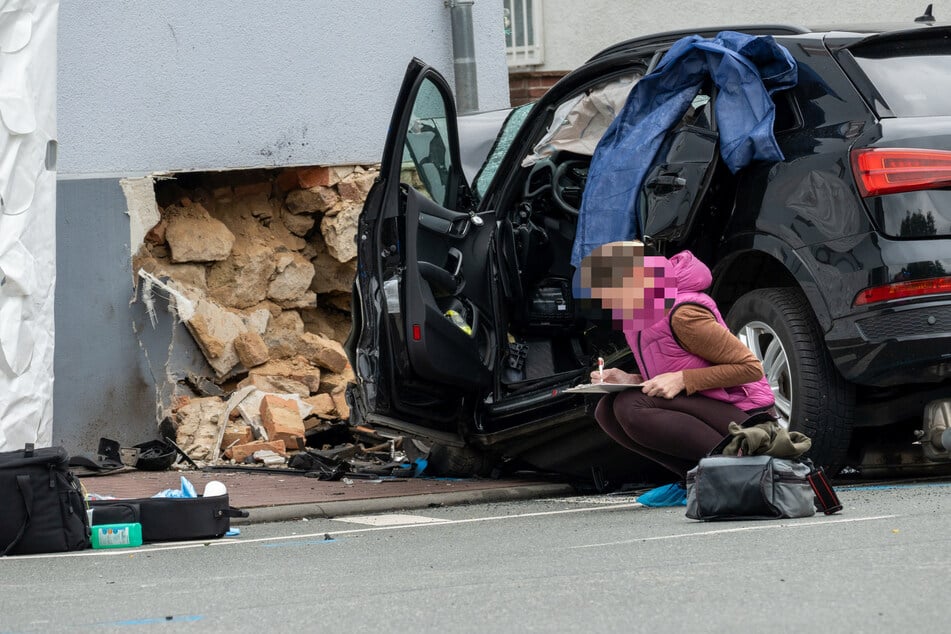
x=593 y=499
x=721 y=531
x=390 y=519
x=132 y=552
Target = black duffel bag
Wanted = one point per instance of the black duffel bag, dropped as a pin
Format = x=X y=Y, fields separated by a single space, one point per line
x=44 y=507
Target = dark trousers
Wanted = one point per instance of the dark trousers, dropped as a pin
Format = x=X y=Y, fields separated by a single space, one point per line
x=675 y=432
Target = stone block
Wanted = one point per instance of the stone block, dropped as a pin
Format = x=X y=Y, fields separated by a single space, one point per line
x=298 y=225
x=356 y=186
x=196 y=426
x=297 y=369
x=307 y=300
x=236 y=434
x=311 y=201
x=323 y=405
x=214 y=329
x=340 y=402
x=194 y=236
x=183 y=274
x=339 y=232
x=322 y=351
x=242 y=280
x=275 y=383
x=281 y=418
x=202 y=331
x=251 y=349
x=239 y=452
x=320 y=176
x=330 y=274
x=293 y=274
x=333 y=382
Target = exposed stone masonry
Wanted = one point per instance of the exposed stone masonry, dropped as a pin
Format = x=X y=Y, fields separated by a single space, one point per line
x=267 y=260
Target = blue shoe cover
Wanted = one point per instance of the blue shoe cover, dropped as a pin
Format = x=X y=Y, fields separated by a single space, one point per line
x=667 y=495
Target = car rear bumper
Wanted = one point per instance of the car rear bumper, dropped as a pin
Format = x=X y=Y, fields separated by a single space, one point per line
x=894 y=344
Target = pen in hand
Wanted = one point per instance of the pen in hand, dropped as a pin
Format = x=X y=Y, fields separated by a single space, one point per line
x=600 y=369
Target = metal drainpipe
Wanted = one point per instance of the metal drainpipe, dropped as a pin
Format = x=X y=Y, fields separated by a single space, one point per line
x=463 y=56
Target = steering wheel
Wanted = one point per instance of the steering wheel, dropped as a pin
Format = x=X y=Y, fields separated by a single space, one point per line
x=568 y=184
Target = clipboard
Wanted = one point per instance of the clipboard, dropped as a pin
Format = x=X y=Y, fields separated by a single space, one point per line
x=600 y=388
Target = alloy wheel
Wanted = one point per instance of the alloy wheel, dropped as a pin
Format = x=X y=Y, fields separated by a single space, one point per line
x=762 y=340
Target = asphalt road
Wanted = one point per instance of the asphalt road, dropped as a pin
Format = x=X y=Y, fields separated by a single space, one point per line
x=574 y=564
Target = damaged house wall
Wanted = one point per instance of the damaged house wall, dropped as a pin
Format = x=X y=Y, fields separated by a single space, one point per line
x=158 y=99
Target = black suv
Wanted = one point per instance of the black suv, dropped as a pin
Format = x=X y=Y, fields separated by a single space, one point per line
x=833 y=265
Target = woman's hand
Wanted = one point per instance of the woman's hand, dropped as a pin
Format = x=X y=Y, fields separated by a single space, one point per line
x=666 y=385
x=615 y=375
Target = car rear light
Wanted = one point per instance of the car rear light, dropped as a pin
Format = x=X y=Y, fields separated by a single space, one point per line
x=881 y=171
x=900 y=290
x=417 y=333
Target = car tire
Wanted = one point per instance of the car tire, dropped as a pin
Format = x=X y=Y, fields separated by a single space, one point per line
x=778 y=325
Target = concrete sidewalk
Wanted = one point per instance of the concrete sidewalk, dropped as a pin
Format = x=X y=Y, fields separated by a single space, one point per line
x=275 y=497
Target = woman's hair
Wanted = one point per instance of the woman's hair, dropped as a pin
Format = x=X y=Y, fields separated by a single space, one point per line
x=608 y=265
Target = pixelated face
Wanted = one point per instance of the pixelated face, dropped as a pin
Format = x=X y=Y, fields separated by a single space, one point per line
x=637 y=289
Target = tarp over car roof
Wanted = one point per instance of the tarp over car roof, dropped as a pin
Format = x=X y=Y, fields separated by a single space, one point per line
x=746 y=71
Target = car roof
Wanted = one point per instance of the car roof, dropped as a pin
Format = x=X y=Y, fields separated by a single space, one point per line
x=842 y=30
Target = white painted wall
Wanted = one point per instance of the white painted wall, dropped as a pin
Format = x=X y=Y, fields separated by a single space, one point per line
x=184 y=85
x=574 y=31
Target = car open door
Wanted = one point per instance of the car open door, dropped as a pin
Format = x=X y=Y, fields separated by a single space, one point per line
x=674 y=186
x=425 y=338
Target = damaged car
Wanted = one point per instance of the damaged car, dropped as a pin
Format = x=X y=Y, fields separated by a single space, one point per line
x=832 y=264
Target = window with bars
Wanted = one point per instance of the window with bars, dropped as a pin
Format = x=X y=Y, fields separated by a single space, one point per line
x=523 y=32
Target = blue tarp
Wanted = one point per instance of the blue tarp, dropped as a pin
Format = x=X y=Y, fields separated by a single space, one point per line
x=746 y=70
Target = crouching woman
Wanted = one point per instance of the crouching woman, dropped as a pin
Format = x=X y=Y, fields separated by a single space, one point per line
x=696 y=375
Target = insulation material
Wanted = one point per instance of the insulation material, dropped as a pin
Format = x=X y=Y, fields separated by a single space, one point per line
x=27 y=219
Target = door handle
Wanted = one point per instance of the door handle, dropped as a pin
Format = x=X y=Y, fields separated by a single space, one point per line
x=670 y=182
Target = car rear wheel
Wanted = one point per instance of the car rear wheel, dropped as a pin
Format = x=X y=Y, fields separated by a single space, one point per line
x=777 y=324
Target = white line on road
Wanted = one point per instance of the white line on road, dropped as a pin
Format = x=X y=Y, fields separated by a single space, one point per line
x=236 y=542
x=721 y=531
x=132 y=552
x=390 y=519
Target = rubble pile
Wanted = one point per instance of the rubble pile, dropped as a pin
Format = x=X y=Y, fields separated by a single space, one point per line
x=261 y=265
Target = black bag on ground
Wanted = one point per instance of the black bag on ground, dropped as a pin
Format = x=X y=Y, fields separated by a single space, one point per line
x=44 y=509
x=749 y=487
x=170 y=519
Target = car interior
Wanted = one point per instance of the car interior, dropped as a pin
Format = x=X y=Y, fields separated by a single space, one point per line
x=552 y=336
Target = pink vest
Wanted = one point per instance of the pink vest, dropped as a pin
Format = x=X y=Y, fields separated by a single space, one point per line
x=656 y=350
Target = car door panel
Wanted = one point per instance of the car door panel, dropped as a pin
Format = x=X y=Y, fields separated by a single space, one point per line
x=446 y=272
x=674 y=187
x=424 y=277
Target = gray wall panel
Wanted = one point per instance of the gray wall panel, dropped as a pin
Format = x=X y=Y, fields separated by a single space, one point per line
x=102 y=384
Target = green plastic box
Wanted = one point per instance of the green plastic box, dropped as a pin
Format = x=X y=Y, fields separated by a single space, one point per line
x=117 y=535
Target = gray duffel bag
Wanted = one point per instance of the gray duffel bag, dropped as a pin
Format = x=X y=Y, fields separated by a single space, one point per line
x=749 y=487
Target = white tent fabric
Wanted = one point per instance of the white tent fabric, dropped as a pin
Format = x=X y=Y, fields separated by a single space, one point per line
x=27 y=219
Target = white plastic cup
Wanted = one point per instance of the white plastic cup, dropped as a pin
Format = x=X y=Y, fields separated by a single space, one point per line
x=214 y=489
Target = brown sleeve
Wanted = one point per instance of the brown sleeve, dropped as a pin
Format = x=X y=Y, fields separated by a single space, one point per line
x=701 y=334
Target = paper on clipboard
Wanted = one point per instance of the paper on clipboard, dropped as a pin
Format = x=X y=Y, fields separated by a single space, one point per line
x=600 y=388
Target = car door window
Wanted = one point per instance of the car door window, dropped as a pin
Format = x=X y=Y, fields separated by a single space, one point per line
x=502 y=143
x=427 y=162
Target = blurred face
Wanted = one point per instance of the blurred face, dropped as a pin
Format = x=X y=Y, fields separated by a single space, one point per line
x=636 y=289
